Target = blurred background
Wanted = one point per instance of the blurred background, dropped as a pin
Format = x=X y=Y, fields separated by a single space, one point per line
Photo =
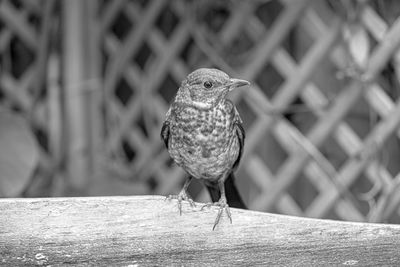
x=85 y=85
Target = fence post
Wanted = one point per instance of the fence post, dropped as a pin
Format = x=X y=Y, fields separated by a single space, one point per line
x=95 y=92
x=74 y=77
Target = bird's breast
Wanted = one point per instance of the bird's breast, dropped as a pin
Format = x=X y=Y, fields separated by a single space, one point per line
x=199 y=128
x=203 y=141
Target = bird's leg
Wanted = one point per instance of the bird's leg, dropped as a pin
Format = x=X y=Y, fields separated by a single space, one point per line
x=222 y=204
x=183 y=196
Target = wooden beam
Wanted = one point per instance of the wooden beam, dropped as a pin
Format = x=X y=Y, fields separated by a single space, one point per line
x=147 y=230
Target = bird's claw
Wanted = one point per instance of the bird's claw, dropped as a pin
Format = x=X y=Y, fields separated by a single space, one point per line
x=180 y=197
x=222 y=205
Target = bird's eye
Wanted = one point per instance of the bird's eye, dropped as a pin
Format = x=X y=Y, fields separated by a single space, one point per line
x=207 y=84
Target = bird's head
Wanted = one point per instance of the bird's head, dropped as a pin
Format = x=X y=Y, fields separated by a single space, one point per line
x=207 y=87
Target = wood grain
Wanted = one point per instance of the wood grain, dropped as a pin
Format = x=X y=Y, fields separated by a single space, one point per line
x=148 y=231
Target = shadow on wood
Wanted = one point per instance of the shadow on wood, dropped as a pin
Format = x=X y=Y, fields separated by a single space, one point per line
x=147 y=230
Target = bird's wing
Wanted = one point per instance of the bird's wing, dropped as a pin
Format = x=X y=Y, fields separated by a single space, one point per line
x=240 y=134
x=165 y=129
x=165 y=133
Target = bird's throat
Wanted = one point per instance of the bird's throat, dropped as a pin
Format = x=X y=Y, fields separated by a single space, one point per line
x=202 y=105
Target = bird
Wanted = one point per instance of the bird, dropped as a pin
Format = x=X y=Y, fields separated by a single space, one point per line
x=204 y=135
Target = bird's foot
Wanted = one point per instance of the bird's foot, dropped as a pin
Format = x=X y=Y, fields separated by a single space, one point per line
x=222 y=205
x=182 y=196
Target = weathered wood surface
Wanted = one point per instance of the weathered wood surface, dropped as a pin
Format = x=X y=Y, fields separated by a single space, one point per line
x=147 y=230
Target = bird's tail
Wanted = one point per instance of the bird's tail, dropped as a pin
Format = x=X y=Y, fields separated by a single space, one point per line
x=232 y=194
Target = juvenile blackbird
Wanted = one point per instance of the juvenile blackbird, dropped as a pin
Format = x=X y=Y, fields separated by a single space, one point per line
x=204 y=135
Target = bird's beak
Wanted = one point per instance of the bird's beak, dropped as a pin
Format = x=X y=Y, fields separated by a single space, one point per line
x=238 y=83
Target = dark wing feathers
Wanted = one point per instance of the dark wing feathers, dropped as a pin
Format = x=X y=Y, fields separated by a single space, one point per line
x=165 y=133
x=239 y=131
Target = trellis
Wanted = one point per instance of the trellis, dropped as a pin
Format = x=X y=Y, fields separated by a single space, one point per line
x=297 y=111
x=27 y=68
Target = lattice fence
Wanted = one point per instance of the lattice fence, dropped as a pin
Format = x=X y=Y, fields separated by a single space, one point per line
x=27 y=61
x=322 y=116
